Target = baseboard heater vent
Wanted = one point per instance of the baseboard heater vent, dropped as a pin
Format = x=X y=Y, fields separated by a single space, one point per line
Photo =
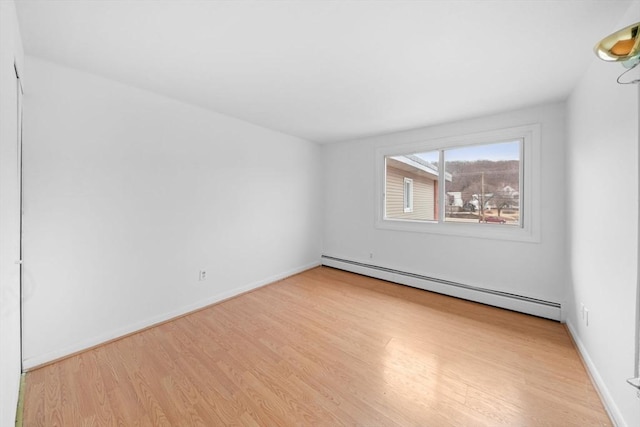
x=523 y=304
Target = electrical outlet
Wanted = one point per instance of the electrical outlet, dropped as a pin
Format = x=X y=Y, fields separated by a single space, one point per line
x=370 y=255
x=202 y=275
x=582 y=310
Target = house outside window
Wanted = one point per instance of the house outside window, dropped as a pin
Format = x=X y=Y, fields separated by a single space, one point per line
x=411 y=188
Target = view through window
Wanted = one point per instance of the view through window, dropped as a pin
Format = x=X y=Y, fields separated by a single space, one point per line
x=478 y=184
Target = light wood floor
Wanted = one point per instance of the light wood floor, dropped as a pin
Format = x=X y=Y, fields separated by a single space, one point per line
x=326 y=348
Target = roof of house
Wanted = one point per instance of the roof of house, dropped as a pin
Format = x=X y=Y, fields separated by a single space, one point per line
x=420 y=164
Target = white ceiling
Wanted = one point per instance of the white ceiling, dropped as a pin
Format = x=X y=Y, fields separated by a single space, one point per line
x=330 y=70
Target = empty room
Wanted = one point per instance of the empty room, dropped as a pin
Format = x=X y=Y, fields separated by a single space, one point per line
x=319 y=213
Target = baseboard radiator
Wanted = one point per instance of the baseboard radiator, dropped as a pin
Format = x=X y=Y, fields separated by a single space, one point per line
x=522 y=304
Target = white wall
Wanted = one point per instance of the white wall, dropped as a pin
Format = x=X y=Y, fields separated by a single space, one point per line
x=10 y=53
x=602 y=164
x=530 y=269
x=129 y=194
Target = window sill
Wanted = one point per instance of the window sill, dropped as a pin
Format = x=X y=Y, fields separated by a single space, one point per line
x=457 y=229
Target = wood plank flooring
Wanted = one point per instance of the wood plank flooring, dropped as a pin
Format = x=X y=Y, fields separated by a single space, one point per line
x=326 y=348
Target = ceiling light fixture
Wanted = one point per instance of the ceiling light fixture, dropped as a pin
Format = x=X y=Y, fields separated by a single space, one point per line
x=622 y=46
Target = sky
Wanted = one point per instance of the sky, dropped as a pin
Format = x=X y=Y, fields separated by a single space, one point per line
x=499 y=151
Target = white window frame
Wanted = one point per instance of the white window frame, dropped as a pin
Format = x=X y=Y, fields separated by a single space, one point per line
x=407 y=194
x=529 y=229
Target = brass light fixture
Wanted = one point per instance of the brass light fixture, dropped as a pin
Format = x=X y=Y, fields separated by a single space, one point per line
x=622 y=46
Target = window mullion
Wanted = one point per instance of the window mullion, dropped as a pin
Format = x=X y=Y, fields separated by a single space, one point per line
x=441 y=187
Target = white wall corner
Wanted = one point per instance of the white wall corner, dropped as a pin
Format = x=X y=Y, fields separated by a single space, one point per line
x=606 y=398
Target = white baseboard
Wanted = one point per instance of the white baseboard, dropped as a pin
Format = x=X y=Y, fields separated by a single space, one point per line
x=609 y=405
x=536 y=307
x=40 y=360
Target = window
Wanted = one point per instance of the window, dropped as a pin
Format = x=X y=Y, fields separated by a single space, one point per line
x=408 y=195
x=484 y=183
x=481 y=185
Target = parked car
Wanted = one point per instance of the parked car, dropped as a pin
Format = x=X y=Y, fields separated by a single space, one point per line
x=494 y=219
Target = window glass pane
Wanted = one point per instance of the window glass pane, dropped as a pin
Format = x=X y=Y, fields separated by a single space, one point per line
x=482 y=183
x=411 y=186
x=408 y=195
